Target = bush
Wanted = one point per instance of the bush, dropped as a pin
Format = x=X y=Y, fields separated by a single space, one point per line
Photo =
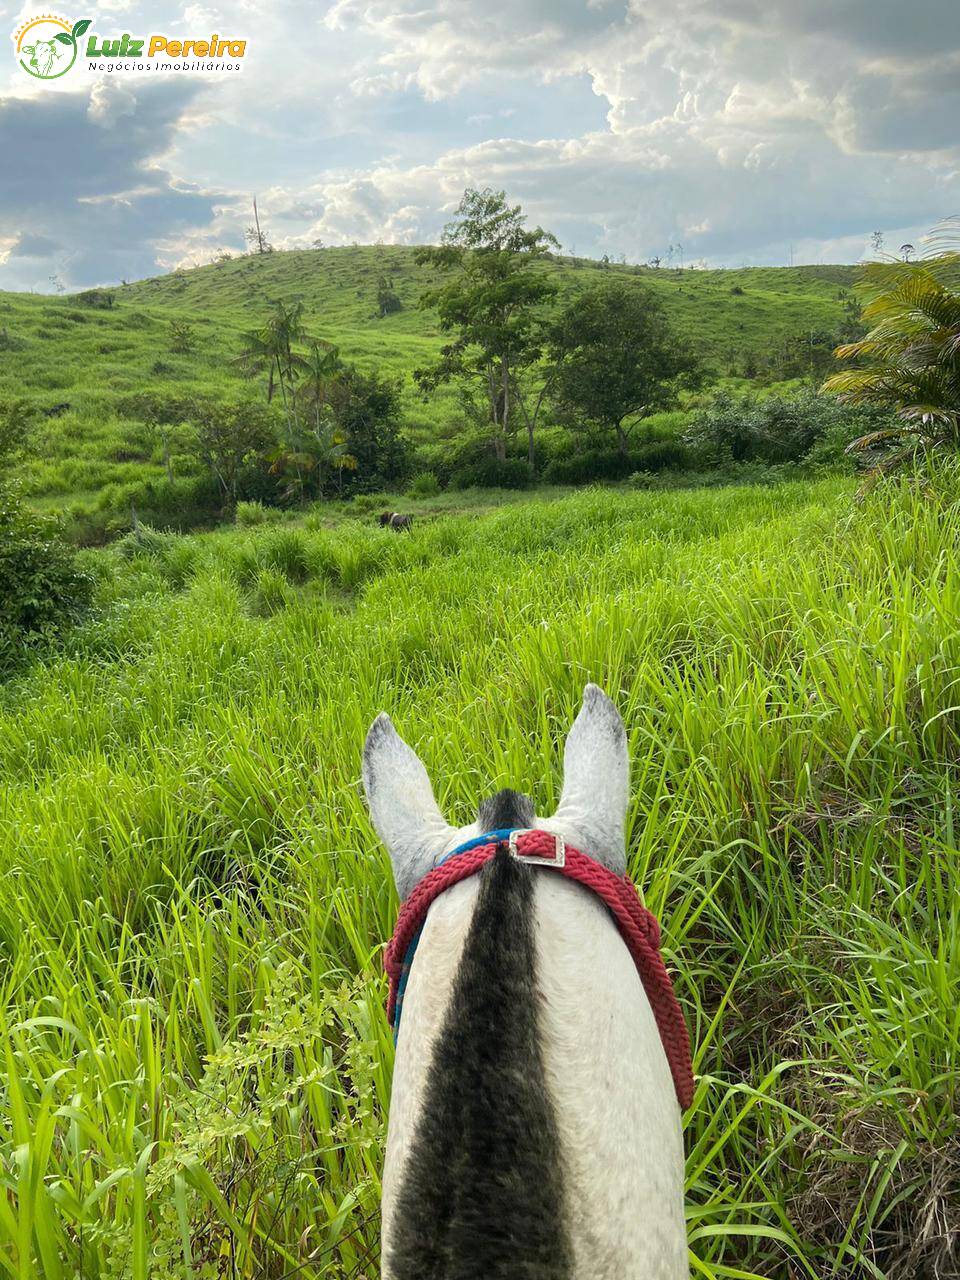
x=250 y=513
x=610 y=464
x=182 y=337
x=103 y=299
x=41 y=588
x=778 y=429
x=425 y=485
x=512 y=473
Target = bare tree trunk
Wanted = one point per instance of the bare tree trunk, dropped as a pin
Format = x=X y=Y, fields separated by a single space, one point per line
x=256 y=218
x=622 y=439
x=497 y=416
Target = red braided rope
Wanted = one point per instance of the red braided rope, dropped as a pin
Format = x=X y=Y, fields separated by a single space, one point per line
x=638 y=927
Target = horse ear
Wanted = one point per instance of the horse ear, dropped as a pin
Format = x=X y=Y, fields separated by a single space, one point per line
x=402 y=806
x=596 y=783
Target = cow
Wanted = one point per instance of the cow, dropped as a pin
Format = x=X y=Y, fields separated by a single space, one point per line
x=394 y=520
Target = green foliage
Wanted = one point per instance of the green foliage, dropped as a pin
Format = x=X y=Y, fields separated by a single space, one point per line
x=9 y=341
x=388 y=301
x=910 y=359
x=775 y=429
x=614 y=359
x=424 y=485
x=183 y=338
x=607 y=464
x=490 y=472
x=230 y=437
x=492 y=304
x=254 y=513
x=367 y=409
x=99 y=299
x=89 y=447
x=42 y=588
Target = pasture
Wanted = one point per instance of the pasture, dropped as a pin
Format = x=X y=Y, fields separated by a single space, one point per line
x=193 y=904
x=96 y=360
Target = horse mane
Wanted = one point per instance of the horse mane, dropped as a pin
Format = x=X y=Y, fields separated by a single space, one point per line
x=481 y=1192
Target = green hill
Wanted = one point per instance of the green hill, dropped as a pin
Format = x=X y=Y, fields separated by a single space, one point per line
x=63 y=351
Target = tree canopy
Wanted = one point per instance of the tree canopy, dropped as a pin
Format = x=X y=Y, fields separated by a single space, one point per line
x=491 y=302
x=614 y=358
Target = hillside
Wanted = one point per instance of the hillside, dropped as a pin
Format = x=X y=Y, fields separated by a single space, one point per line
x=57 y=351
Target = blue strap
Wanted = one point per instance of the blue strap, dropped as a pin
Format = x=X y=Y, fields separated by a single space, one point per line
x=503 y=833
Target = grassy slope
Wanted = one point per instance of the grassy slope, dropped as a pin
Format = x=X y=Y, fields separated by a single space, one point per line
x=187 y=874
x=89 y=358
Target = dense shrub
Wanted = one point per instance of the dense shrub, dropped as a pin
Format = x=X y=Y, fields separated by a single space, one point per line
x=250 y=513
x=368 y=412
x=42 y=589
x=102 y=299
x=488 y=473
x=611 y=464
x=776 y=429
x=424 y=485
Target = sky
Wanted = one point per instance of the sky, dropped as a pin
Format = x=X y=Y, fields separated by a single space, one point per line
x=749 y=132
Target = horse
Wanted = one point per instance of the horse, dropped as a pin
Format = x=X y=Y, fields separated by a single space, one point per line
x=394 y=520
x=535 y=1115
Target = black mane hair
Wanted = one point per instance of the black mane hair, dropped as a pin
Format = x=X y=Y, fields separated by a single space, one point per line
x=481 y=1193
x=506 y=809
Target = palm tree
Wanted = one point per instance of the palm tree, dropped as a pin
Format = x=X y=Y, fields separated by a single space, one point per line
x=910 y=359
x=271 y=349
x=319 y=373
x=312 y=451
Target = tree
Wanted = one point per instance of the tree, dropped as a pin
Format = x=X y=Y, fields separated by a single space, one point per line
x=876 y=242
x=270 y=349
x=614 y=358
x=491 y=303
x=910 y=359
x=255 y=235
x=229 y=436
x=319 y=372
x=388 y=301
x=309 y=452
x=368 y=411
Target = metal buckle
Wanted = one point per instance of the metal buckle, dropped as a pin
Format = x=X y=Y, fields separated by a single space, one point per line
x=558 y=860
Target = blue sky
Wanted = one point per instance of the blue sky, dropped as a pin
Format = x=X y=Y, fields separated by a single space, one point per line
x=743 y=130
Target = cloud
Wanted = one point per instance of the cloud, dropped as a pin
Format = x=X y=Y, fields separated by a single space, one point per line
x=83 y=178
x=739 y=124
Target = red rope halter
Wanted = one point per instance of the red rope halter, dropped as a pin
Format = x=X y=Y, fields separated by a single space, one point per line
x=638 y=928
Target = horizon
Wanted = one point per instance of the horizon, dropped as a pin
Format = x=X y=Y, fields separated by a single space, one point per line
x=563 y=258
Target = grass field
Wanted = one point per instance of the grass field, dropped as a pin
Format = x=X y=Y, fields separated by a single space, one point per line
x=56 y=351
x=192 y=903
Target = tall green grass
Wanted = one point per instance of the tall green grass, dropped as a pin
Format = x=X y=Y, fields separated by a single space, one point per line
x=193 y=905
